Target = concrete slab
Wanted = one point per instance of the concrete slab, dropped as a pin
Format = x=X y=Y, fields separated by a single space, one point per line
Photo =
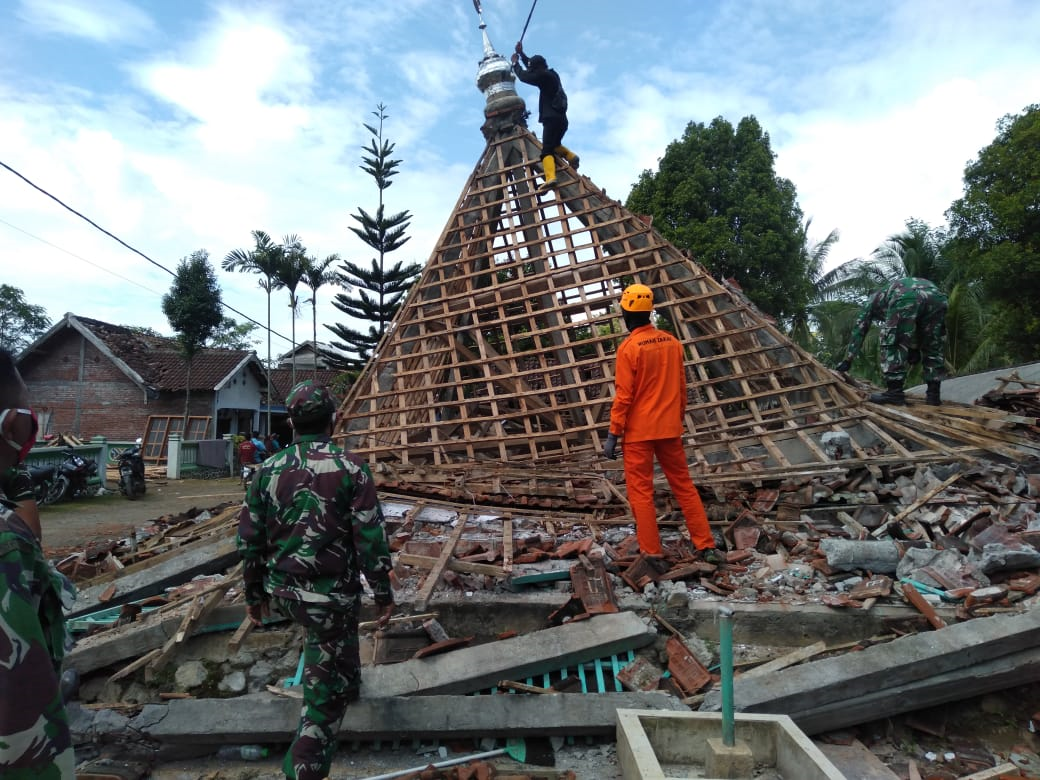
x=482 y=667
x=1009 y=671
x=903 y=661
x=266 y=718
x=151 y=578
x=856 y=761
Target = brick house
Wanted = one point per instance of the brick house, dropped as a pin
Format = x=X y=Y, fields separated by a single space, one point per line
x=91 y=378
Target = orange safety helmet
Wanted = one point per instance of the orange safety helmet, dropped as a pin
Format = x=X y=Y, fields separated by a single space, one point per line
x=637 y=297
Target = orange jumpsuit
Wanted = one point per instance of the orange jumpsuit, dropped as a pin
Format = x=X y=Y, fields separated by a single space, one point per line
x=649 y=401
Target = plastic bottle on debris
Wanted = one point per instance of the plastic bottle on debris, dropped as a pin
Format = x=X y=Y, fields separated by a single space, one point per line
x=245 y=752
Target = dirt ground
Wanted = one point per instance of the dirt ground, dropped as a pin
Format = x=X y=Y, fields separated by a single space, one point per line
x=73 y=524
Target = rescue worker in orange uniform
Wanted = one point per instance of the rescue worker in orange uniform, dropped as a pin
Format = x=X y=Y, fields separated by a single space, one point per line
x=647 y=413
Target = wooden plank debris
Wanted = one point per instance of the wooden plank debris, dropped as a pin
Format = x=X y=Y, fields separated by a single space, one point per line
x=790 y=659
x=422 y=598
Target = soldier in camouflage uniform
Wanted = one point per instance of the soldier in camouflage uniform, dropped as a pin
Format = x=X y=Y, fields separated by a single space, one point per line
x=912 y=312
x=34 y=730
x=310 y=525
x=17 y=486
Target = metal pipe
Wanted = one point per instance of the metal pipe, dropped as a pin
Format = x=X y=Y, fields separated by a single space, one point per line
x=726 y=663
x=440 y=764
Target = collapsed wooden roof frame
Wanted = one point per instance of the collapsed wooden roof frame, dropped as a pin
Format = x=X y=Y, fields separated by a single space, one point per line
x=500 y=361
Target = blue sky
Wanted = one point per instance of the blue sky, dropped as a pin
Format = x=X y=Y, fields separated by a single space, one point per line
x=181 y=124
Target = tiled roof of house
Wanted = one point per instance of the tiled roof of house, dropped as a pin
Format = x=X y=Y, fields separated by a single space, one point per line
x=159 y=362
x=281 y=380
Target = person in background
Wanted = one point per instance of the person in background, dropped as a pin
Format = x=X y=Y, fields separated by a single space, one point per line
x=912 y=313
x=261 y=448
x=310 y=526
x=35 y=741
x=552 y=111
x=647 y=414
x=276 y=443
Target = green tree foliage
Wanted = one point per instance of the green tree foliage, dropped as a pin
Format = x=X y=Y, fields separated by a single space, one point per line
x=264 y=260
x=21 y=323
x=715 y=194
x=317 y=274
x=290 y=273
x=380 y=288
x=231 y=334
x=996 y=230
x=192 y=307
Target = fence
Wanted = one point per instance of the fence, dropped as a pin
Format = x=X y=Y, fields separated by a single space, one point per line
x=183 y=457
x=99 y=451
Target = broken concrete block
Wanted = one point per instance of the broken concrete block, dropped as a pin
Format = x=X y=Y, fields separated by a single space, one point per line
x=946 y=569
x=1008 y=557
x=190 y=674
x=848 y=555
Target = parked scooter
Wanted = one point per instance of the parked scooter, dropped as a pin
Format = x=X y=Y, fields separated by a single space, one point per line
x=131 y=472
x=46 y=484
x=73 y=473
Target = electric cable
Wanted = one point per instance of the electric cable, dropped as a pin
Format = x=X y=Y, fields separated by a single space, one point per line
x=116 y=238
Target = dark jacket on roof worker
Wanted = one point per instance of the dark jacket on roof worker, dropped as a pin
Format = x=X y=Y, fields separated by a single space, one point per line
x=647 y=414
x=912 y=313
x=552 y=111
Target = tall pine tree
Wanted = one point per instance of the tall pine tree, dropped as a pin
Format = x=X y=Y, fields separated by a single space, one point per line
x=378 y=289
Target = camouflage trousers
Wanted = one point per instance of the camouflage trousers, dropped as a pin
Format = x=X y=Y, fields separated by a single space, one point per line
x=915 y=322
x=35 y=743
x=331 y=680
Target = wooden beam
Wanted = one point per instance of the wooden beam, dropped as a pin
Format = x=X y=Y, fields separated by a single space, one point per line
x=437 y=571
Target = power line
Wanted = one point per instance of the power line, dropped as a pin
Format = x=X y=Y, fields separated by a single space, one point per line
x=116 y=238
x=79 y=257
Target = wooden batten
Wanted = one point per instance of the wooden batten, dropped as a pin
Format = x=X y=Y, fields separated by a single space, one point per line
x=503 y=351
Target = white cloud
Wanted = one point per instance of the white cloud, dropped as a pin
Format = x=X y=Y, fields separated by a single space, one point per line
x=101 y=21
x=239 y=120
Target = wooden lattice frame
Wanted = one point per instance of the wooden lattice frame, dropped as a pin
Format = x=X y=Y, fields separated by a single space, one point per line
x=503 y=351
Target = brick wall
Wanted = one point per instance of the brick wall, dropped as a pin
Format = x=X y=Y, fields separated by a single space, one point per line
x=109 y=403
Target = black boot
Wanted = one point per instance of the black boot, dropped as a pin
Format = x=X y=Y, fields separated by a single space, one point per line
x=893 y=395
x=931 y=395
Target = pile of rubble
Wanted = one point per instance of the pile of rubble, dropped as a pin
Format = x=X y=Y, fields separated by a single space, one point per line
x=900 y=551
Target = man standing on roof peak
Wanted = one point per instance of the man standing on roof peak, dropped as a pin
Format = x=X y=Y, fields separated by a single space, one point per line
x=649 y=404
x=552 y=111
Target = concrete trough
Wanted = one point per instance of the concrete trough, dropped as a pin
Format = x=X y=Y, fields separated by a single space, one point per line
x=658 y=745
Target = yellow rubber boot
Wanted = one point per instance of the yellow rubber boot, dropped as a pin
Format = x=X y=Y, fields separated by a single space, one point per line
x=549 y=167
x=572 y=159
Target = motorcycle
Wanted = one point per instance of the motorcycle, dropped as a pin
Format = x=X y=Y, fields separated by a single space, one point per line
x=131 y=472
x=46 y=485
x=72 y=476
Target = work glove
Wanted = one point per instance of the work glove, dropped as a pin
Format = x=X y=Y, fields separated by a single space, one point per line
x=843 y=366
x=610 y=446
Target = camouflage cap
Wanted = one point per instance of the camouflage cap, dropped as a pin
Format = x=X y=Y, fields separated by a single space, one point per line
x=308 y=401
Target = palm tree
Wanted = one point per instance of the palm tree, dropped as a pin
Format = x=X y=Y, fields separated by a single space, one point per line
x=814 y=255
x=290 y=273
x=263 y=259
x=316 y=274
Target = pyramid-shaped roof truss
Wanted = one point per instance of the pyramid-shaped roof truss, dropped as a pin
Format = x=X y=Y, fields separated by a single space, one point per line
x=502 y=355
